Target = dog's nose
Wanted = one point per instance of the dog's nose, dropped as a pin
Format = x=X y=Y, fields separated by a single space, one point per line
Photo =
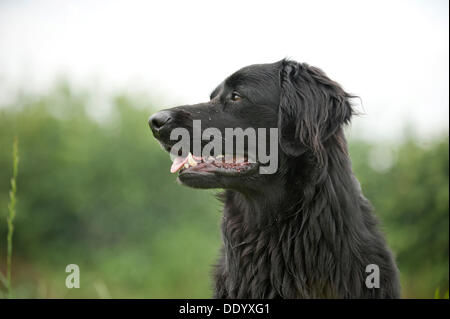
x=158 y=120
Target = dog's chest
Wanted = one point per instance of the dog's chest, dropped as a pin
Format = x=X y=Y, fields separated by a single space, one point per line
x=270 y=262
x=255 y=263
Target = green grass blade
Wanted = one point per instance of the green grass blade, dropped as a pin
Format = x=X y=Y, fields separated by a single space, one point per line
x=437 y=294
x=11 y=216
x=3 y=280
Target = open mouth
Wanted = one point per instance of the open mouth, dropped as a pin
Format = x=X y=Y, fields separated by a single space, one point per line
x=222 y=165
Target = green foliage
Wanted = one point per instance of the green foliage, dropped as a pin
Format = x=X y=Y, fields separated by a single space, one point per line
x=98 y=193
x=411 y=198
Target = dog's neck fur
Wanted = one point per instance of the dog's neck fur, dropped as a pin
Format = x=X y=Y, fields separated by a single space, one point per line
x=297 y=252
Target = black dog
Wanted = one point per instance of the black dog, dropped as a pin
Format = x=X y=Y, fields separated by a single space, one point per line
x=306 y=231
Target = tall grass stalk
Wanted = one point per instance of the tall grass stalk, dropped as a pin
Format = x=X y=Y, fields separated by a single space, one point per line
x=11 y=216
x=3 y=280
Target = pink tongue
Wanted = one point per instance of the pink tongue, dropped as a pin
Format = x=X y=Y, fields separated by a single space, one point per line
x=177 y=164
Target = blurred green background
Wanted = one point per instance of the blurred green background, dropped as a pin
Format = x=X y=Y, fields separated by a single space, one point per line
x=98 y=193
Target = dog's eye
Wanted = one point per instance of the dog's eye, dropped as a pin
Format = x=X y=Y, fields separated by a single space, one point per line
x=235 y=97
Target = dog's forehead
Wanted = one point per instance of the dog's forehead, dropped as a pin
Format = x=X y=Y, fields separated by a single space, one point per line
x=251 y=73
x=256 y=74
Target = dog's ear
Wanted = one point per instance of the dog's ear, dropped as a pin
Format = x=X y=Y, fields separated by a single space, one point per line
x=312 y=108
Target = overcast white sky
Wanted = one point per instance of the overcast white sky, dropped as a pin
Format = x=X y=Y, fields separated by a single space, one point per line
x=394 y=54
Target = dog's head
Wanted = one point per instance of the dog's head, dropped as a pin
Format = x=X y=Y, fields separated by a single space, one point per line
x=299 y=102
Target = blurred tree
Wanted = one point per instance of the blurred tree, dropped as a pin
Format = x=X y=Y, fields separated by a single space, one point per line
x=99 y=194
x=411 y=197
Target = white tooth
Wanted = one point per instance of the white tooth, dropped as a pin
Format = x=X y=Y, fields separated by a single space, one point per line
x=210 y=159
x=191 y=160
x=219 y=156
